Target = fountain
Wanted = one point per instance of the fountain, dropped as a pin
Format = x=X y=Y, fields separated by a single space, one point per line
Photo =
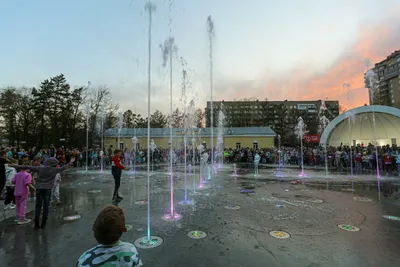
x=168 y=50
x=204 y=159
x=149 y=241
x=220 y=137
x=323 y=122
x=234 y=170
x=256 y=162
x=210 y=30
x=300 y=131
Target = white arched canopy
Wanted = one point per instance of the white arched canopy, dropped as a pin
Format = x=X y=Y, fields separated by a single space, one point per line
x=356 y=126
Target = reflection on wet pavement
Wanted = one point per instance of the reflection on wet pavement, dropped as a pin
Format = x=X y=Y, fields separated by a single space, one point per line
x=235 y=221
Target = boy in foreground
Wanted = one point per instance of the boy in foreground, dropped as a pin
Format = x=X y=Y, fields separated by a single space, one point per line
x=108 y=229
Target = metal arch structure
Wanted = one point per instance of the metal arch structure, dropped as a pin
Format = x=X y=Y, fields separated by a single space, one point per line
x=356 y=112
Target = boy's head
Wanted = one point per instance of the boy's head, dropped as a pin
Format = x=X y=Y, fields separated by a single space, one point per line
x=109 y=225
x=117 y=152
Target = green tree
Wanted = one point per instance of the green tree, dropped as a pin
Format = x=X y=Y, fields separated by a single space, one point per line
x=158 y=120
x=7 y=99
x=129 y=119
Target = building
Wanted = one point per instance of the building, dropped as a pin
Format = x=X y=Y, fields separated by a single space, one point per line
x=280 y=116
x=387 y=89
x=232 y=138
x=361 y=130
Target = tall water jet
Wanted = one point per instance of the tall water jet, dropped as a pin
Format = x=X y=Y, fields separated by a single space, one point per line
x=168 y=50
x=120 y=124
x=300 y=132
x=87 y=114
x=220 y=137
x=210 y=30
x=323 y=122
x=200 y=149
x=101 y=130
x=373 y=86
x=148 y=241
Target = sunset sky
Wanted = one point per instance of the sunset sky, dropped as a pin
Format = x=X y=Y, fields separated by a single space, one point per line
x=288 y=49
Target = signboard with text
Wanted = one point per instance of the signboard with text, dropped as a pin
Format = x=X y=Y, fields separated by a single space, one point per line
x=311 y=138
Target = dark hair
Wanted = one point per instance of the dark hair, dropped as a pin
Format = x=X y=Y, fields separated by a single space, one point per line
x=116 y=151
x=109 y=225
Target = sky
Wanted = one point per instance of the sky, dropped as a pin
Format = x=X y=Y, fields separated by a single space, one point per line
x=287 y=49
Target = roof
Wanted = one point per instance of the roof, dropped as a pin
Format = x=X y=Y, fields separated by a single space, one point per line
x=387 y=121
x=164 y=132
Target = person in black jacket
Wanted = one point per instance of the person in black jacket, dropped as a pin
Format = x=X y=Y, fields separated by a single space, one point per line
x=2 y=170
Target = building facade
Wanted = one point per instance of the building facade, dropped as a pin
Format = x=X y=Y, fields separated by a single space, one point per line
x=252 y=137
x=280 y=116
x=387 y=89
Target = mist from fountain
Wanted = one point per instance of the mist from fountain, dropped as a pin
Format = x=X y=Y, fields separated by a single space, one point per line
x=211 y=33
x=374 y=87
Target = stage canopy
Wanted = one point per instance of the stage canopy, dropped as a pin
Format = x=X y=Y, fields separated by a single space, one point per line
x=356 y=127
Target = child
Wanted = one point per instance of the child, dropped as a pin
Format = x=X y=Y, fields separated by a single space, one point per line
x=56 y=189
x=116 y=170
x=22 y=181
x=9 y=201
x=108 y=229
x=44 y=184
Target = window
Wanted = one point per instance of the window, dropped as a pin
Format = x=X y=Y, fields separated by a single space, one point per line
x=237 y=145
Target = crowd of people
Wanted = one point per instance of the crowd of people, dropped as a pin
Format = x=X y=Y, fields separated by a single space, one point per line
x=35 y=175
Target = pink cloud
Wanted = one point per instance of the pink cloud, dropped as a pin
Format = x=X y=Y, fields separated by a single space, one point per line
x=375 y=42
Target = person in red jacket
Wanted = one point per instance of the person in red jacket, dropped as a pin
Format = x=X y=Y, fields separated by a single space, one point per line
x=116 y=170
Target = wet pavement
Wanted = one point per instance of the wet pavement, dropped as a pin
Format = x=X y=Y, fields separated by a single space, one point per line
x=309 y=212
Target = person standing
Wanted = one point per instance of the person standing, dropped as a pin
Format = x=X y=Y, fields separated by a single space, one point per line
x=3 y=161
x=116 y=170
